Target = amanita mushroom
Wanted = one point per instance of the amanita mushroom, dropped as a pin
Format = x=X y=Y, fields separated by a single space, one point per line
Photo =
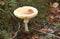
x=54 y=8
x=26 y=13
x=55 y=5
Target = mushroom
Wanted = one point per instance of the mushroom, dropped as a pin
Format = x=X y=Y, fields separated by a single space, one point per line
x=26 y=13
x=55 y=5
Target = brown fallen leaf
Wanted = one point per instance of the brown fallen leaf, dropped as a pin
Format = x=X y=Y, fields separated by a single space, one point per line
x=35 y=36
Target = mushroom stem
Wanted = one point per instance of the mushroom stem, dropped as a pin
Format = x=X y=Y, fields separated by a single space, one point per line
x=26 y=24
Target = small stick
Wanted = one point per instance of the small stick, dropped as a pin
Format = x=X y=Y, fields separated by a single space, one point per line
x=16 y=31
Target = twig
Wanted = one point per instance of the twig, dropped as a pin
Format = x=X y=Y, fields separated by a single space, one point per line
x=3 y=10
x=16 y=20
x=47 y=33
x=16 y=31
x=18 y=27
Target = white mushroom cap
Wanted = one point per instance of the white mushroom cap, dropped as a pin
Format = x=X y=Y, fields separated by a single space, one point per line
x=21 y=15
x=55 y=5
